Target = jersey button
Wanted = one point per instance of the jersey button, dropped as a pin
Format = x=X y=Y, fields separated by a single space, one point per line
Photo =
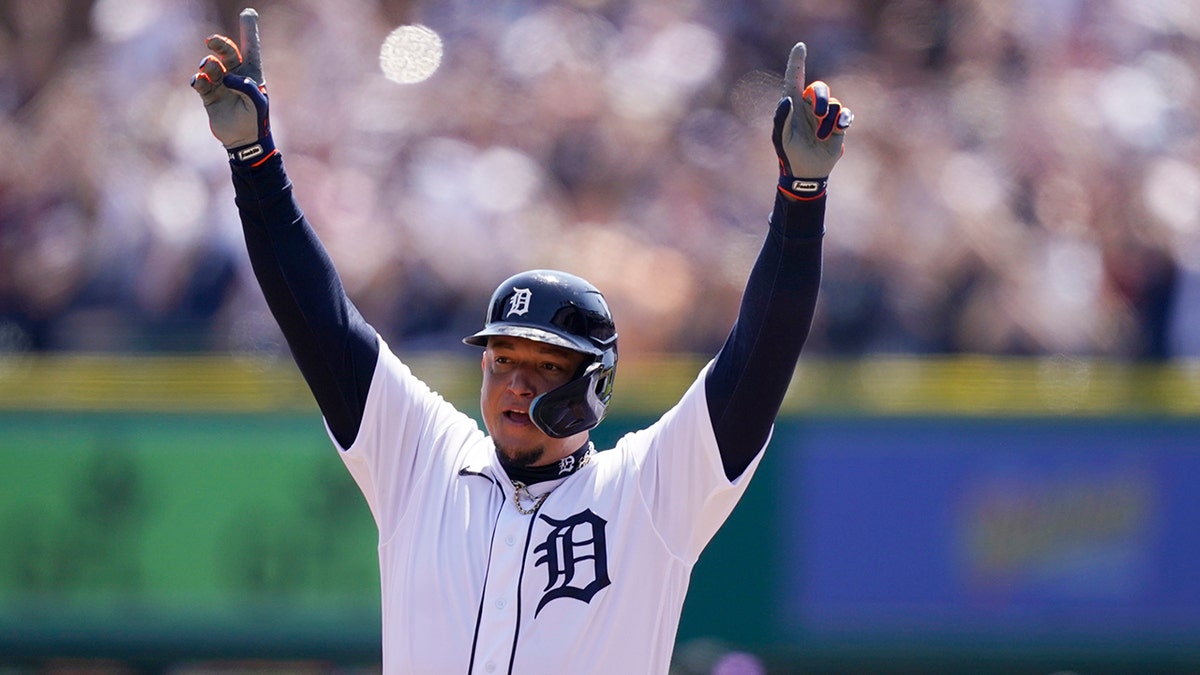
x=501 y=604
x=510 y=540
x=490 y=667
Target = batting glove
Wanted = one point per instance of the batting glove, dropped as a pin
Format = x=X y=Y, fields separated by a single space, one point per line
x=808 y=136
x=230 y=82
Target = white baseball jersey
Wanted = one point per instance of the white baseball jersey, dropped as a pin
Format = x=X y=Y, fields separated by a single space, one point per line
x=592 y=582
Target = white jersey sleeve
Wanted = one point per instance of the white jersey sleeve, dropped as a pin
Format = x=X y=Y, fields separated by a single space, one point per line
x=681 y=476
x=405 y=428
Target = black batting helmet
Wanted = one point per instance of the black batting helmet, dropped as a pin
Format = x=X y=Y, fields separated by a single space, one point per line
x=566 y=311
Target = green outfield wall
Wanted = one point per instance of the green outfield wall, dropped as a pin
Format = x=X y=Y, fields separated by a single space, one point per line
x=1001 y=515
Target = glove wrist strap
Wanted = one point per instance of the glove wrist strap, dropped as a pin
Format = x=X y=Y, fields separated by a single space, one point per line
x=803 y=188
x=253 y=154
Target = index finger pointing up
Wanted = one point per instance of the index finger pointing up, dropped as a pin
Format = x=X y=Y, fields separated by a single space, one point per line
x=793 y=77
x=251 y=47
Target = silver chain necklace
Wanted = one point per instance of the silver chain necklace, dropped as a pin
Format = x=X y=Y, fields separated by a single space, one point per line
x=519 y=487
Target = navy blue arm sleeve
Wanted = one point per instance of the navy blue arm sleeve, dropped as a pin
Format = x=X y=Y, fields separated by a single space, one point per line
x=750 y=376
x=333 y=346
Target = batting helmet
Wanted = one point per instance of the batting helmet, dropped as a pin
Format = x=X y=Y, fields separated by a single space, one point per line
x=563 y=310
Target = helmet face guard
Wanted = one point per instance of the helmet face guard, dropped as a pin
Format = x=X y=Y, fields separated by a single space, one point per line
x=578 y=405
x=563 y=310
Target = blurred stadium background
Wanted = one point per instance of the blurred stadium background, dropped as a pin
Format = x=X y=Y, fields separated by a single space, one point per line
x=988 y=462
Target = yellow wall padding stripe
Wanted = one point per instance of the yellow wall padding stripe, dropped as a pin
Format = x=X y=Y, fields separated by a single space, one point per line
x=968 y=385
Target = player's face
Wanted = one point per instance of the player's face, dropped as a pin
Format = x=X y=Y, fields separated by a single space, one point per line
x=515 y=371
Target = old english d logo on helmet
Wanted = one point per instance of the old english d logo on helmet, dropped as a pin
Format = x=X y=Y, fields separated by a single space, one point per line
x=518 y=302
x=566 y=311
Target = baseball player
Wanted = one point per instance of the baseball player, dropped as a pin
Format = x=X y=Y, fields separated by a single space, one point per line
x=519 y=548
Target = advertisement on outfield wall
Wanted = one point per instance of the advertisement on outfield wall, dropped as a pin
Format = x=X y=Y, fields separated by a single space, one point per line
x=1083 y=529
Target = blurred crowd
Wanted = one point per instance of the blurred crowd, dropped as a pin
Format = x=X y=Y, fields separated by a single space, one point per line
x=1021 y=178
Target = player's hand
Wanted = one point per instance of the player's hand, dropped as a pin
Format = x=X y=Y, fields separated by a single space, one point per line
x=810 y=127
x=230 y=82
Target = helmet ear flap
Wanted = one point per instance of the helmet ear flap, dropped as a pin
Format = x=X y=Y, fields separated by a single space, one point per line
x=605 y=376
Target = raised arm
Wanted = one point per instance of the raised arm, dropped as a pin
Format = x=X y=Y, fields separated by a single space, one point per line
x=747 y=383
x=332 y=344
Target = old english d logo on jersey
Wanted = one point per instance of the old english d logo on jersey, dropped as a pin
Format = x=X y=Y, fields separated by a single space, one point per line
x=569 y=547
x=519 y=303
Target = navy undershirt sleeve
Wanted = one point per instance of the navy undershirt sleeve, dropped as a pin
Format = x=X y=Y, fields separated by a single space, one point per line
x=333 y=346
x=750 y=376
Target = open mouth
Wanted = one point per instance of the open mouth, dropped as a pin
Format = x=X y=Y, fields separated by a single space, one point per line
x=517 y=416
